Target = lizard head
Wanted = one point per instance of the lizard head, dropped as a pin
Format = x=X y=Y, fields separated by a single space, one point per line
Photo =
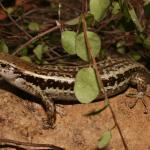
x=10 y=64
x=6 y=70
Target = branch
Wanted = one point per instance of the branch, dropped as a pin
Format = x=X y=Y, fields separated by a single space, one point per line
x=14 y=22
x=27 y=145
x=100 y=83
x=36 y=38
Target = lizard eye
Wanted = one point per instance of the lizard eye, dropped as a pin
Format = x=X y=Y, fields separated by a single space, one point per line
x=3 y=65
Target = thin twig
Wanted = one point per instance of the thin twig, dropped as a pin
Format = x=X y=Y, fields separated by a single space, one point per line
x=14 y=22
x=36 y=38
x=105 y=22
x=66 y=5
x=27 y=145
x=84 y=26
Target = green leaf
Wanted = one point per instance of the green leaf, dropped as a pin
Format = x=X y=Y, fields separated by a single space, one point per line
x=24 y=52
x=120 y=44
x=121 y=50
x=104 y=140
x=146 y=43
x=125 y=10
x=10 y=10
x=38 y=51
x=68 y=39
x=3 y=46
x=26 y=58
x=98 y=8
x=135 y=19
x=86 y=87
x=135 y=55
x=121 y=47
x=94 y=42
x=72 y=22
x=34 y=26
x=116 y=8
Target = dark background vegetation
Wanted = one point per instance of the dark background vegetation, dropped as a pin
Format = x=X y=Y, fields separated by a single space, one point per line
x=117 y=31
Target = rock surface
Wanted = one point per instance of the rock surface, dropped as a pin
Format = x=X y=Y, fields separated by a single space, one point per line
x=21 y=120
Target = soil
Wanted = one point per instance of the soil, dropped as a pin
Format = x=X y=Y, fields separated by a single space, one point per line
x=21 y=119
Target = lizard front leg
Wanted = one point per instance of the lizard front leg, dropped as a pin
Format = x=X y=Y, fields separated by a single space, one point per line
x=50 y=111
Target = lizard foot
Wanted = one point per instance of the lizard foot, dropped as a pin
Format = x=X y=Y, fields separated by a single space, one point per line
x=51 y=114
x=60 y=110
x=50 y=111
x=137 y=96
x=49 y=123
x=46 y=124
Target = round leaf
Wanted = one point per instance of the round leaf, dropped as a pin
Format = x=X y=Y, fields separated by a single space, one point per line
x=121 y=47
x=24 y=51
x=104 y=140
x=68 y=39
x=94 y=42
x=38 y=51
x=86 y=87
x=33 y=26
x=136 y=56
x=121 y=50
x=72 y=22
x=135 y=19
x=116 y=8
x=3 y=46
x=98 y=8
x=10 y=10
x=26 y=58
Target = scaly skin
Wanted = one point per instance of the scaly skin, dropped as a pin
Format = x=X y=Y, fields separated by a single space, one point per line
x=57 y=82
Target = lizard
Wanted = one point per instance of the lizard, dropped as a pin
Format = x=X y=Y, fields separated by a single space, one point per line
x=57 y=82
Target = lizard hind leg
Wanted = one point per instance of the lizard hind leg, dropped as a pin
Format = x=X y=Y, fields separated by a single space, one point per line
x=140 y=82
x=50 y=111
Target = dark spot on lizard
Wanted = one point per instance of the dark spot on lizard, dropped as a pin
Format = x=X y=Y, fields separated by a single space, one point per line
x=111 y=81
x=120 y=78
